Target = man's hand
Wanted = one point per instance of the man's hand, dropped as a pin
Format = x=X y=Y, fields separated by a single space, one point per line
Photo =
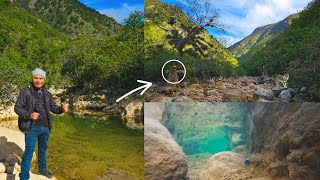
x=65 y=107
x=34 y=116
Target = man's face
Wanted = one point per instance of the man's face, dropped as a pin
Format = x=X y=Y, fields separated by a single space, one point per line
x=38 y=81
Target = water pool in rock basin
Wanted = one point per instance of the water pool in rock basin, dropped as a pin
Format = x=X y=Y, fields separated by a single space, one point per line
x=86 y=147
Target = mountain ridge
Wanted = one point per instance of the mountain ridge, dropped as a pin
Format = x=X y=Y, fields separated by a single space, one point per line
x=70 y=16
x=259 y=38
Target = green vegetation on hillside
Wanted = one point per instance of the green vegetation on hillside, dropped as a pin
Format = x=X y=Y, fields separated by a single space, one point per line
x=70 y=16
x=170 y=34
x=296 y=51
x=27 y=42
x=245 y=48
x=86 y=60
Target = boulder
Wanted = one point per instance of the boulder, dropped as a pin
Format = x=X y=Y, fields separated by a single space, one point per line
x=9 y=169
x=164 y=158
x=293 y=91
x=234 y=95
x=285 y=96
x=133 y=109
x=213 y=92
x=155 y=97
x=277 y=90
x=183 y=99
x=261 y=80
x=11 y=160
x=15 y=148
x=5 y=151
x=260 y=92
x=15 y=142
x=262 y=100
x=224 y=165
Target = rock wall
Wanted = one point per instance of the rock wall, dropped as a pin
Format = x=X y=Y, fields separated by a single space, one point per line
x=286 y=139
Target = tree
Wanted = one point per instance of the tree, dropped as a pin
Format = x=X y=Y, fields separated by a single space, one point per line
x=185 y=34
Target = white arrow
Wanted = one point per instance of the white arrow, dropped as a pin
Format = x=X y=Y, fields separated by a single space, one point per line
x=146 y=86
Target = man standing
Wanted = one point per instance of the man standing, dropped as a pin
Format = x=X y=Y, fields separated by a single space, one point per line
x=33 y=106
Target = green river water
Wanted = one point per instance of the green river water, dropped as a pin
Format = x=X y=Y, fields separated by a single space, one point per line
x=86 y=147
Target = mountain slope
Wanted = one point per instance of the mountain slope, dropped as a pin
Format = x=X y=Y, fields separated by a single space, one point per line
x=296 y=51
x=156 y=35
x=26 y=42
x=70 y=16
x=88 y=62
x=259 y=38
x=158 y=41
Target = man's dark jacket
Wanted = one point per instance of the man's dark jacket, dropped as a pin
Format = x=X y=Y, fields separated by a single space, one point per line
x=24 y=107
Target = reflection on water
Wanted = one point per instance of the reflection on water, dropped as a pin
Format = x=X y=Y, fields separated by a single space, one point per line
x=86 y=147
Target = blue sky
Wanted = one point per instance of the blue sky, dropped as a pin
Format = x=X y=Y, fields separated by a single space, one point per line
x=118 y=9
x=242 y=16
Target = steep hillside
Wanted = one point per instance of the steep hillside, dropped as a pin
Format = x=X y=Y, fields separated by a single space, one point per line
x=26 y=42
x=89 y=59
x=243 y=49
x=159 y=17
x=296 y=51
x=70 y=16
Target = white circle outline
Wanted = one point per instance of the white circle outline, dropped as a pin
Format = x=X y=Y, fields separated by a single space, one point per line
x=184 y=75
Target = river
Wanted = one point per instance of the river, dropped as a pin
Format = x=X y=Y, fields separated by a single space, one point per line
x=84 y=147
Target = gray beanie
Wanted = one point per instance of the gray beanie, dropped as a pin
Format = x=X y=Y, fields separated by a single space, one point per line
x=40 y=72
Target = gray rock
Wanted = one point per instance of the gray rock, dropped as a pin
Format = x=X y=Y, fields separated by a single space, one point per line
x=164 y=158
x=5 y=151
x=234 y=95
x=15 y=148
x=262 y=100
x=212 y=93
x=11 y=177
x=277 y=90
x=155 y=97
x=260 y=92
x=11 y=160
x=183 y=99
x=285 y=96
x=269 y=80
x=293 y=91
x=225 y=164
x=3 y=140
x=10 y=169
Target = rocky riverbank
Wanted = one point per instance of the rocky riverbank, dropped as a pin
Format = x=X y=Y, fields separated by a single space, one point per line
x=96 y=103
x=242 y=89
x=11 y=151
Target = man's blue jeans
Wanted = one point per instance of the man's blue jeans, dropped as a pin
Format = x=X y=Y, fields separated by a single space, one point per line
x=40 y=133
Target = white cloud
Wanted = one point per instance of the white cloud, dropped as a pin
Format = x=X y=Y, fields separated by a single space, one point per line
x=120 y=14
x=242 y=17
